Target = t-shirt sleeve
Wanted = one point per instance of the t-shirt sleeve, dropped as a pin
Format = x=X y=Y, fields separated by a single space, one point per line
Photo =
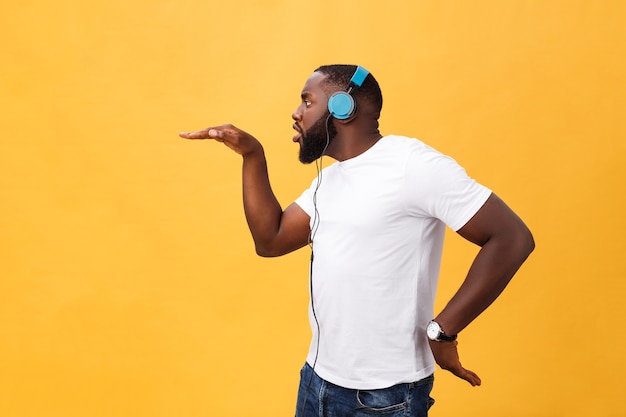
x=305 y=201
x=437 y=186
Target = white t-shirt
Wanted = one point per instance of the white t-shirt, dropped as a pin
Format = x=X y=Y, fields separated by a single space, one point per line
x=377 y=252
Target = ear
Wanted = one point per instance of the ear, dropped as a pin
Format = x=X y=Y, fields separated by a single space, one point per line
x=349 y=120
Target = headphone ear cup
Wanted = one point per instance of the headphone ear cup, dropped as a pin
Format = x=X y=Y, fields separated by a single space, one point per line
x=341 y=105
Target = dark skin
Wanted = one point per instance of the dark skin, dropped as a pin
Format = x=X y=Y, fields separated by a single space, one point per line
x=504 y=239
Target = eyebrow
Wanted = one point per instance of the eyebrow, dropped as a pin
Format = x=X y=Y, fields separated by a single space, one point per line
x=304 y=95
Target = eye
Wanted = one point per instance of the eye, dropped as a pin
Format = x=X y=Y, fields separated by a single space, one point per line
x=307 y=103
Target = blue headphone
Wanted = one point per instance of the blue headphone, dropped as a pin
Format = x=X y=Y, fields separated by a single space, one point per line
x=341 y=104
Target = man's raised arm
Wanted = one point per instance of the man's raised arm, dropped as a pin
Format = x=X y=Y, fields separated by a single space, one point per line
x=275 y=232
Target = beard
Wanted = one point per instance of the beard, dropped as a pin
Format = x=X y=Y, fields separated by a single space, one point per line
x=317 y=139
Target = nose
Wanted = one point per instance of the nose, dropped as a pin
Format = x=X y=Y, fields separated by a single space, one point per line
x=297 y=114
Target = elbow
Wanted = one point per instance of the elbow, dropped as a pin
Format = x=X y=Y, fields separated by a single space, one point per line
x=271 y=248
x=265 y=251
x=526 y=242
x=262 y=252
x=265 y=254
x=531 y=243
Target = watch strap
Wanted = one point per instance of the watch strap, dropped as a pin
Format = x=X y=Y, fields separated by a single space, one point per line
x=446 y=338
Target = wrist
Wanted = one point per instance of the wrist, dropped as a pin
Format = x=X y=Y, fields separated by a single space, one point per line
x=254 y=151
x=436 y=333
x=255 y=157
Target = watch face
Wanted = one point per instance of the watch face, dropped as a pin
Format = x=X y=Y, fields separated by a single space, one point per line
x=433 y=330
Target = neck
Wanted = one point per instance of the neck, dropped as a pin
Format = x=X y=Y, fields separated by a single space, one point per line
x=347 y=146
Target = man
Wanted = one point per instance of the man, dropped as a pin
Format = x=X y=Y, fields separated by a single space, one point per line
x=375 y=221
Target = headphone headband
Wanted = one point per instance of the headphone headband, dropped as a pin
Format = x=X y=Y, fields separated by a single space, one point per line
x=359 y=76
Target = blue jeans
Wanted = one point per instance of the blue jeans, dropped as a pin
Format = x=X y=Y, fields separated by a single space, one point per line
x=319 y=398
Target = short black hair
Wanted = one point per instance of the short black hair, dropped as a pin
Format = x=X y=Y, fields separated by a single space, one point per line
x=338 y=77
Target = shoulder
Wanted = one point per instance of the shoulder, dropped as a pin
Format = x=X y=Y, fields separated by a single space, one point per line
x=417 y=154
x=408 y=146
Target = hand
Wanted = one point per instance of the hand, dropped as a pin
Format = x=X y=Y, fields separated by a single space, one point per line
x=447 y=357
x=235 y=138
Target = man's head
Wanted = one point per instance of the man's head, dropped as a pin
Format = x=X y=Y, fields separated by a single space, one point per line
x=338 y=78
x=313 y=122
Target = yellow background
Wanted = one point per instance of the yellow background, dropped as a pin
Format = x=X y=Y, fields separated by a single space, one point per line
x=128 y=281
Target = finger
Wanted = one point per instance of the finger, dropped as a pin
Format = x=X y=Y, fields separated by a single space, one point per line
x=216 y=134
x=470 y=377
x=194 y=135
x=209 y=133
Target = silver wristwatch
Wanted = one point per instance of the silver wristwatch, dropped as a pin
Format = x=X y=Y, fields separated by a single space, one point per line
x=436 y=333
